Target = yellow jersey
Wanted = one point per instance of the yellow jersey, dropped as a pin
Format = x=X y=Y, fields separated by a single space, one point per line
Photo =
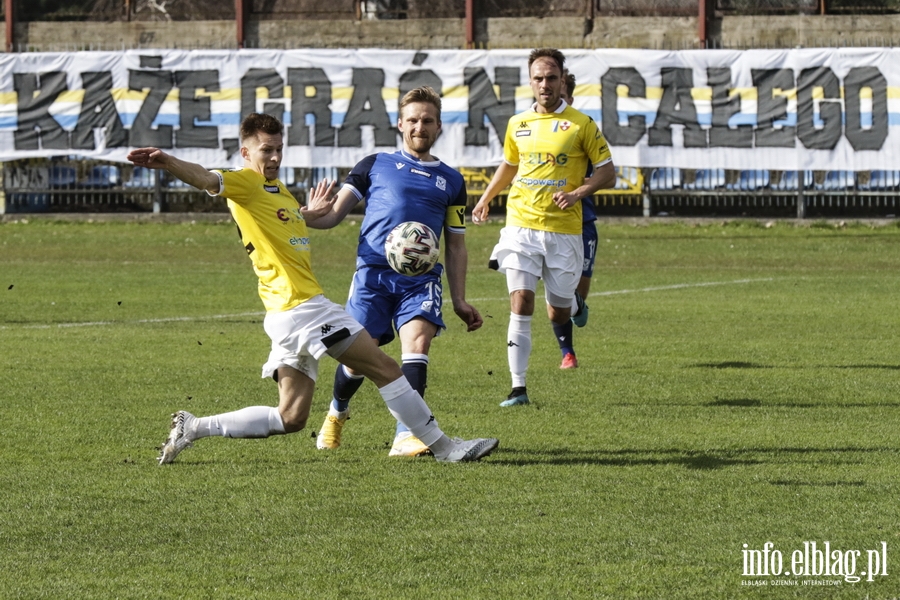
x=552 y=152
x=274 y=233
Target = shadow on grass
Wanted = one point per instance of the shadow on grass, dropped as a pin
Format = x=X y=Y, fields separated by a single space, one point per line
x=689 y=459
x=736 y=364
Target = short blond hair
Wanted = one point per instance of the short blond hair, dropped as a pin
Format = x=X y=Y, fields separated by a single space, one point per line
x=421 y=94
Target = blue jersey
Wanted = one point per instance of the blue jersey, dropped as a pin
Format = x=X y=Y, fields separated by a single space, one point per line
x=588 y=211
x=396 y=188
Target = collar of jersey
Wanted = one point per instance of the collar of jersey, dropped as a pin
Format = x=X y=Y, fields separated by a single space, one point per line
x=558 y=110
x=432 y=163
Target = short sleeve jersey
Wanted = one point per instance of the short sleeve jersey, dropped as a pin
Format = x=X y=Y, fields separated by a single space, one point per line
x=552 y=152
x=396 y=188
x=274 y=233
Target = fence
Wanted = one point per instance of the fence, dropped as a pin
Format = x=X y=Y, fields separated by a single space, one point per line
x=66 y=186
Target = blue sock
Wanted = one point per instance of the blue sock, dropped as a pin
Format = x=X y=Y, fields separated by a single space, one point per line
x=344 y=388
x=415 y=368
x=564 y=337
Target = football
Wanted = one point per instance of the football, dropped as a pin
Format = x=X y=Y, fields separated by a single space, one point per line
x=412 y=248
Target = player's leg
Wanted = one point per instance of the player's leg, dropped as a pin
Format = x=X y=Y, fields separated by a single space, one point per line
x=371 y=304
x=518 y=255
x=521 y=287
x=415 y=343
x=295 y=391
x=560 y=281
x=580 y=309
x=406 y=405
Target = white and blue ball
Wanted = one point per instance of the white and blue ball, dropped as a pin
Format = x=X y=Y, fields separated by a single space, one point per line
x=412 y=248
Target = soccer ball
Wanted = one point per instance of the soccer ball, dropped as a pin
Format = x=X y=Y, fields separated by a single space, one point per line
x=412 y=248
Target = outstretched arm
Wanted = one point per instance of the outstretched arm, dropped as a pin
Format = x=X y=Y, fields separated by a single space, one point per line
x=327 y=210
x=456 y=259
x=503 y=176
x=188 y=172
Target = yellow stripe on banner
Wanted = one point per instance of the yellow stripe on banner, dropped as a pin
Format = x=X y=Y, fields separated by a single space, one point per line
x=456 y=92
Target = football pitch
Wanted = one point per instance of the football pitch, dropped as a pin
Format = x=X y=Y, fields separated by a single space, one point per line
x=731 y=431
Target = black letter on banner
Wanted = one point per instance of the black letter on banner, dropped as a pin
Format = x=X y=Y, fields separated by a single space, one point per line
x=411 y=80
x=723 y=108
x=770 y=109
x=482 y=100
x=142 y=133
x=262 y=78
x=37 y=128
x=367 y=86
x=195 y=108
x=677 y=108
x=317 y=105
x=98 y=111
x=873 y=137
x=615 y=134
x=829 y=111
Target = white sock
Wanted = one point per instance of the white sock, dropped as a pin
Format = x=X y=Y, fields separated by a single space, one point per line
x=519 y=347
x=250 y=422
x=407 y=406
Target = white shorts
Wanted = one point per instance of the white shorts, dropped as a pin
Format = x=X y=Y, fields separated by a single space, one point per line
x=301 y=335
x=554 y=257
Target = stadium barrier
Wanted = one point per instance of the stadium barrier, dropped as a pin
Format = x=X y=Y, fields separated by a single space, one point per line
x=75 y=185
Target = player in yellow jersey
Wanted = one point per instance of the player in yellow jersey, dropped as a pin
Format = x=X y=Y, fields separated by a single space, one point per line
x=302 y=324
x=546 y=154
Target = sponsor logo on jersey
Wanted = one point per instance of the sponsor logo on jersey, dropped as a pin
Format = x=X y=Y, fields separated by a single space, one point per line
x=302 y=242
x=441 y=183
x=420 y=172
x=544 y=158
x=286 y=215
x=272 y=189
x=523 y=131
x=533 y=182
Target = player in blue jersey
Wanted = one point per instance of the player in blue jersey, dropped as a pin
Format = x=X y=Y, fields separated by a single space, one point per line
x=588 y=239
x=408 y=185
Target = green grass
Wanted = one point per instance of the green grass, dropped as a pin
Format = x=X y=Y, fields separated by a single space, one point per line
x=738 y=385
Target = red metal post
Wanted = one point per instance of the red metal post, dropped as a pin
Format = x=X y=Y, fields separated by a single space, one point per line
x=9 y=8
x=470 y=24
x=240 y=15
x=702 y=23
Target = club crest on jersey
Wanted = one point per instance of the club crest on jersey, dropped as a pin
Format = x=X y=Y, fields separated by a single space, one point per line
x=420 y=172
x=561 y=126
x=272 y=189
x=441 y=183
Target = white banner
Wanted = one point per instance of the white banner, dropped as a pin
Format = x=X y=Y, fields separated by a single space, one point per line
x=829 y=109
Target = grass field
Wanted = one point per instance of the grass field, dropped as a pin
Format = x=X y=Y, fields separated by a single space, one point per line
x=738 y=385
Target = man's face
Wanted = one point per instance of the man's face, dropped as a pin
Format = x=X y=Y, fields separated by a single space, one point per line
x=263 y=153
x=546 y=83
x=420 y=125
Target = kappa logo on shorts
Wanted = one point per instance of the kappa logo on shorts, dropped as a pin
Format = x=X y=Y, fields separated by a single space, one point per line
x=326 y=329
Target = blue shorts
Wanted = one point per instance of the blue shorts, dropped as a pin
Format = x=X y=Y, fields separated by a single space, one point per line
x=383 y=301
x=589 y=238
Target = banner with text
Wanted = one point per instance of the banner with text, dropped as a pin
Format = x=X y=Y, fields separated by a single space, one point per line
x=830 y=109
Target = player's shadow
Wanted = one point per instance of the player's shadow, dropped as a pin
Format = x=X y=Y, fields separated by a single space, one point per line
x=697 y=460
x=737 y=364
